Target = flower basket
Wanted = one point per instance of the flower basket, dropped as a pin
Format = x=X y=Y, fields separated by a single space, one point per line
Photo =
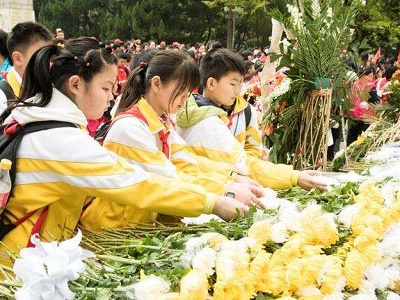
x=322 y=83
x=311 y=149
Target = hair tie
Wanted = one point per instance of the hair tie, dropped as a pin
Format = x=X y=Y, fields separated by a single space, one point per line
x=142 y=68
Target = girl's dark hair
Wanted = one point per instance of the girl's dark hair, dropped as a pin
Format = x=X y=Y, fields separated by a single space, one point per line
x=169 y=65
x=220 y=62
x=3 y=44
x=52 y=66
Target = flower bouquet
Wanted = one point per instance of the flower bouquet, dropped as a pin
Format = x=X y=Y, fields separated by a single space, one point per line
x=321 y=34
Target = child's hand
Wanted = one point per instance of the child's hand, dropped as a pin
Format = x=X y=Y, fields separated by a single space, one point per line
x=226 y=208
x=311 y=179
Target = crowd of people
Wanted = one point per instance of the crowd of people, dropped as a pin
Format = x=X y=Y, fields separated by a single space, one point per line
x=181 y=140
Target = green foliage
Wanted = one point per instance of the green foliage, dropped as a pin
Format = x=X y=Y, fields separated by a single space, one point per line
x=378 y=22
x=322 y=35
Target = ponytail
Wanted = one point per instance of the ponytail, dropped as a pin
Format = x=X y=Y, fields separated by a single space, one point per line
x=135 y=88
x=37 y=77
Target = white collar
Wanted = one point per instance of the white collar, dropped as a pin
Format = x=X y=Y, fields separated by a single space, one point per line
x=60 y=108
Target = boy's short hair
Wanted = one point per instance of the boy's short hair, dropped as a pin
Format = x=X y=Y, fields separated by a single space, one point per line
x=24 y=34
x=219 y=63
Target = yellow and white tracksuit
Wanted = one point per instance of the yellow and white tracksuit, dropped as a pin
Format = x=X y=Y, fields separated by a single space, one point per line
x=139 y=143
x=60 y=167
x=15 y=81
x=211 y=133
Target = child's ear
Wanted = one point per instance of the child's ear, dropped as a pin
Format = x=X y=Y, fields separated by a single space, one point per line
x=16 y=57
x=156 y=83
x=211 y=83
x=74 y=84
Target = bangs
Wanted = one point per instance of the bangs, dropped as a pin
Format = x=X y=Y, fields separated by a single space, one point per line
x=189 y=78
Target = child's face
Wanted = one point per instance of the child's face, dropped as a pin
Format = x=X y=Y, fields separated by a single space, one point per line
x=173 y=105
x=224 y=91
x=94 y=97
x=122 y=61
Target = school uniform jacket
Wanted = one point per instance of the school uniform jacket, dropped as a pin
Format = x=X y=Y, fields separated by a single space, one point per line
x=211 y=133
x=139 y=142
x=60 y=167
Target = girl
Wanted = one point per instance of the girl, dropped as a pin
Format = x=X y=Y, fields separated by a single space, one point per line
x=57 y=169
x=143 y=134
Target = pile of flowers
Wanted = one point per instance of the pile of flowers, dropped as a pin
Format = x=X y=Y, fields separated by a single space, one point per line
x=341 y=244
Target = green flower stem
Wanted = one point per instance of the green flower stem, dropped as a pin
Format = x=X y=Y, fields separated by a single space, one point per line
x=120 y=259
x=136 y=246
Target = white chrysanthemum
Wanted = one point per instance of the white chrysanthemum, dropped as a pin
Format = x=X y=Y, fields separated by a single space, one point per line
x=334 y=296
x=205 y=261
x=239 y=246
x=388 y=192
x=390 y=245
x=289 y=214
x=366 y=287
x=392 y=273
x=149 y=288
x=330 y=218
x=309 y=291
x=346 y=215
x=392 y=296
x=194 y=245
x=349 y=177
x=260 y=215
x=279 y=232
x=363 y=297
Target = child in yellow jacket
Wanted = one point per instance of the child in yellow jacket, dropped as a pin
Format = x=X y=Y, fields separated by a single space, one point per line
x=214 y=125
x=143 y=134
x=57 y=169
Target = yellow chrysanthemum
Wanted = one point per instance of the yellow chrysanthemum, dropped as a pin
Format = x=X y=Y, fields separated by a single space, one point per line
x=368 y=191
x=394 y=212
x=295 y=275
x=354 y=268
x=213 y=239
x=311 y=297
x=333 y=272
x=376 y=224
x=304 y=272
x=286 y=254
x=311 y=250
x=358 y=222
x=277 y=284
x=365 y=239
x=387 y=220
x=321 y=231
x=259 y=268
x=309 y=214
x=194 y=285
x=372 y=254
x=260 y=231
x=226 y=290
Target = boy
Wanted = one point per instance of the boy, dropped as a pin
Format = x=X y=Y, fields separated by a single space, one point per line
x=24 y=39
x=215 y=125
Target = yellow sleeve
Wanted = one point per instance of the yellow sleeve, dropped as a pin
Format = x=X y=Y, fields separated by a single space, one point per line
x=268 y=174
x=211 y=184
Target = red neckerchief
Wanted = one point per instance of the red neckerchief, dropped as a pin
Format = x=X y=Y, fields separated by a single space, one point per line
x=135 y=112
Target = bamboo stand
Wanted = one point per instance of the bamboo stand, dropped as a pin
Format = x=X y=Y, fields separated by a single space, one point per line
x=312 y=146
